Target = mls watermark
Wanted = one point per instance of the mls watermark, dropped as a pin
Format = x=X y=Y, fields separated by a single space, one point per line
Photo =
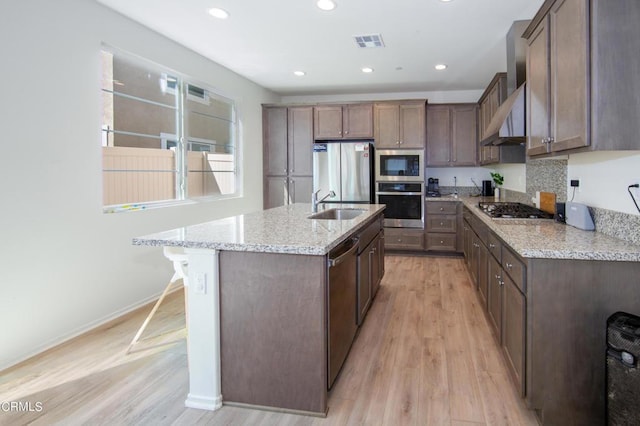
x=20 y=406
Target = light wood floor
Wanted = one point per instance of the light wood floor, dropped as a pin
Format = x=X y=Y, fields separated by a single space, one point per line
x=425 y=356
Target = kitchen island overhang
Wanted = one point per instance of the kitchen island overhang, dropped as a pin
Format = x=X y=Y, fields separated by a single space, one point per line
x=257 y=305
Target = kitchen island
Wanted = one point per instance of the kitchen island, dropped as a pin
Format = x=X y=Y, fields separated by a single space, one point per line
x=259 y=304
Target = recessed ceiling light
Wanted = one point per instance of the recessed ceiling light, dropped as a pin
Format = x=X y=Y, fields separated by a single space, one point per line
x=299 y=73
x=445 y=1
x=441 y=67
x=367 y=70
x=218 y=13
x=326 y=4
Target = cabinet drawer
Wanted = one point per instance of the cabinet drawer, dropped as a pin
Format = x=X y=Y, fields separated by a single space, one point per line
x=441 y=242
x=441 y=207
x=495 y=246
x=369 y=233
x=441 y=223
x=515 y=268
x=403 y=239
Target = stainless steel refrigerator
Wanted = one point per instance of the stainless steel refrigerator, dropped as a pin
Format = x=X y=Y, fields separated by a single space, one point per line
x=345 y=167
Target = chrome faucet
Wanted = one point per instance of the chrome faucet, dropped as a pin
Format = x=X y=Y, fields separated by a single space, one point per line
x=455 y=187
x=315 y=201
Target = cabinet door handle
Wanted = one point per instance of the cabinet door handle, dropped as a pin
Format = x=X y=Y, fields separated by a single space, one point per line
x=346 y=132
x=492 y=245
x=441 y=242
x=441 y=224
x=441 y=209
x=508 y=265
x=551 y=140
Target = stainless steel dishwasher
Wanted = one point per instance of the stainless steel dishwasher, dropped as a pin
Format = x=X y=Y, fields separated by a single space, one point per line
x=341 y=316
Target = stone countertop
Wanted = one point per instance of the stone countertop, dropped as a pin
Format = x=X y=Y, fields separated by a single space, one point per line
x=285 y=229
x=548 y=239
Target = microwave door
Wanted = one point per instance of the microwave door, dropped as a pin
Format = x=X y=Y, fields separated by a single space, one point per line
x=326 y=170
x=355 y=171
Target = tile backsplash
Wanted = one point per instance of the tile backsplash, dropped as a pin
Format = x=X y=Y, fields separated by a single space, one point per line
x=548 y=176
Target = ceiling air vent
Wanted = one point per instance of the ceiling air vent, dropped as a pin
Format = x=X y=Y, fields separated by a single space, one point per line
x=371 y=40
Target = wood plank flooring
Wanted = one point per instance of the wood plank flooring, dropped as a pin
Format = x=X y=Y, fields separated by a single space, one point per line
x=424 y=356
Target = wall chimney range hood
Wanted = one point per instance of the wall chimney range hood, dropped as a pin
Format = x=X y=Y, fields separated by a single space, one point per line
x=508 y=125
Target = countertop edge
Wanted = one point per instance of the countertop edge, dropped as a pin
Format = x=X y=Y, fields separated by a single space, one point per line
x=154 y=240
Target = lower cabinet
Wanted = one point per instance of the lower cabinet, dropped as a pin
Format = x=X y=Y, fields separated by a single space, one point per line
x=514 y=312
x=441 y=225
x=404 y=239
x=494 y=299
x=370 y=267
x=500 y=277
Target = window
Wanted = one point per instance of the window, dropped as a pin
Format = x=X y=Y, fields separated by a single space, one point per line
x=164 y=137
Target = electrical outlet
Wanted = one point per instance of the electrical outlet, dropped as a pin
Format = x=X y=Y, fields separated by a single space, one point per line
x=575 y=183
x=201 y=283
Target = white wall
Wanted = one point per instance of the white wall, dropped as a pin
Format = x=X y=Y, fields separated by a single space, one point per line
x=604 y=178
x=66 y=266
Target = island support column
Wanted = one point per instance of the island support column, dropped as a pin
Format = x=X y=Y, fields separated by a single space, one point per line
x=202 y=309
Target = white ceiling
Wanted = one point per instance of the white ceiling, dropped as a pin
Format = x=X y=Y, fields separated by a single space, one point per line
x=266 y=41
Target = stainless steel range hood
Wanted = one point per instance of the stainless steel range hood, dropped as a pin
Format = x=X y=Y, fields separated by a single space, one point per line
x=508 y=125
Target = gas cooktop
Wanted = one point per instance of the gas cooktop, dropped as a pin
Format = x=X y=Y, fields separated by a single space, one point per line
x=506 y=210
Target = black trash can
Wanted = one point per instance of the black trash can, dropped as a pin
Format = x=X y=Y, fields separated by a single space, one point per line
x=623 y=375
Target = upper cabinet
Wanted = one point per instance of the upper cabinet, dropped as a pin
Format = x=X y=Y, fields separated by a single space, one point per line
x=399 y=124
x=494 y=95
x=288 y=140
x=557 y=71
x=491 y=99
x=452 y=135
x=353 y=121
x=582 y=89
x=288 y=154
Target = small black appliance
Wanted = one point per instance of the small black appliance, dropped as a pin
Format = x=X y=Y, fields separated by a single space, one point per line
x=560 y=212
x=623 y=374
x=487 y=188
x=433 y=187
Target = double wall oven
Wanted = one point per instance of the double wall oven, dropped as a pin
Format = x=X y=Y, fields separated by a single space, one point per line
x=400 y=185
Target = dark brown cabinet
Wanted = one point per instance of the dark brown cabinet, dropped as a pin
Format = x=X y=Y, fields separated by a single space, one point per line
x=494 y=296
x=557 y=70
x=353 y=121
x=288 y=157
x=441 y=225
x=370 y=266
x=403 y=239
x=452 y=135
x=494 y=95
x=399 y=124
x=581 y=87
x=491 y=99
x=500 y=277
x=514 y=330
x=282 y=190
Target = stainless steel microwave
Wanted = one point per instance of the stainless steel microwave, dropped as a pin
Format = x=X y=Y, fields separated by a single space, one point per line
x=406 y=165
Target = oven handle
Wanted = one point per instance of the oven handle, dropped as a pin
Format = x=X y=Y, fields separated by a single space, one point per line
x=398 y=193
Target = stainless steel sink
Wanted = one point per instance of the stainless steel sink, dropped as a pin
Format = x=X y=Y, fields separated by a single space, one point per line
x=337 y=214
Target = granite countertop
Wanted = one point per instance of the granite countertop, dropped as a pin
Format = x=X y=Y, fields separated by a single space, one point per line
x=285 y=229
x=548 y=239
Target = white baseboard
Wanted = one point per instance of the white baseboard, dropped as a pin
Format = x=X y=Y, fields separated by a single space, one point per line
x=52 y=343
